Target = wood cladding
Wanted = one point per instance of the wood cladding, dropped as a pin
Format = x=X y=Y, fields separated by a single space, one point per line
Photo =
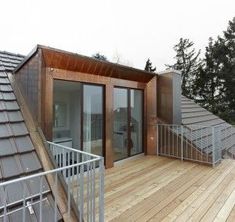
x=73 y=62
x=29 y=81
x=36 y=78
x=150 y=114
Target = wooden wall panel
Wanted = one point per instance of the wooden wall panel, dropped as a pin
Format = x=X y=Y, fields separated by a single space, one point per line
x=151 y=117
x=28 y=78
x=90 y=78
x=165 y=98
x=47 y=103
x=109 y=126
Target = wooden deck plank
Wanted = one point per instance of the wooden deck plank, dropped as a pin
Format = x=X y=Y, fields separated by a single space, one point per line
x=173 y=201
x=231 y=217
x=141 y=208
x=226 y=209
x=187 y=207
x=207 y=211
x=152 y=188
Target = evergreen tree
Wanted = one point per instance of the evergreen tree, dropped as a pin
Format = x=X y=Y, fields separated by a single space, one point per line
x=188 y=62
x=208 y=84
x=100 y=56
x=149 y=67
x=228 y=70
x=215 y=82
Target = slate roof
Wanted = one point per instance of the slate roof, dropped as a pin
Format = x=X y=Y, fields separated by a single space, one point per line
x=196 y=119
x=10 y=61
x=18 y=156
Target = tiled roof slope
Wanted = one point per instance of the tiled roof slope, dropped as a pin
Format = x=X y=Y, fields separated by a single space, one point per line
x=17 y=153
x=196 y=118
x=9 y=60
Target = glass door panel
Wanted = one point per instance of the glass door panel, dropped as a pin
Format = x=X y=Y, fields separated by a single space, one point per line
x=66 y=113
x=136 y=124
x=120 y=123
x=93 y=119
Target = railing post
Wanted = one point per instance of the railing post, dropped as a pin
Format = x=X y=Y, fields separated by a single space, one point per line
x=213 y=145
x=157 y=151
x=182 y=143
x=101 y=191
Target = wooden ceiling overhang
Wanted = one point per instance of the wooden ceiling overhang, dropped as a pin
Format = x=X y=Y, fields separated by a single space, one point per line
x=59 y=59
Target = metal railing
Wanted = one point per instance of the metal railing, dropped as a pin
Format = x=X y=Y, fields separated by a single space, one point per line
x=82 y=177
x=194 y=142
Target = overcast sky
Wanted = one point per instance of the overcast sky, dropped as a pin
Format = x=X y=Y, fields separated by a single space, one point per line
x=133 y=30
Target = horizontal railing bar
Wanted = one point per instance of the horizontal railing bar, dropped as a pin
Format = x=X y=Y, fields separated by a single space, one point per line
x=72 y=149
x=26 y=198
x=21 y=208
x=48 y=172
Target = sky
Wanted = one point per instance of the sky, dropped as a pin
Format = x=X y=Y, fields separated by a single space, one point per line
x=130 y=31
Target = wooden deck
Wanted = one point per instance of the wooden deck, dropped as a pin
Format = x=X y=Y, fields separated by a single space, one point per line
x=151 y=188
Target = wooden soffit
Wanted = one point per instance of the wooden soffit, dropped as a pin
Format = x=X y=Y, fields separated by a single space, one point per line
x=59 y=59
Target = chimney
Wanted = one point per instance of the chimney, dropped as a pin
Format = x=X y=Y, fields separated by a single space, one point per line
x=169 y=96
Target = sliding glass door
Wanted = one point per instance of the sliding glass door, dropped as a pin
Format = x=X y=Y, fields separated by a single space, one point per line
x=93 y=119
x=136 y=121
x=120 y=123
x=127 y=122
x=78 y=116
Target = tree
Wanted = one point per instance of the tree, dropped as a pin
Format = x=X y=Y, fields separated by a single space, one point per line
x=100 y=56
x=188 y=62
x=215 y=82
x=210 y=81
x=208 y=84
x=148 y=66
x=228 y=70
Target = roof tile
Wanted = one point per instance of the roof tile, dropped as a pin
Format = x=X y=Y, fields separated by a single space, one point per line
x=16 y=191
x=11 y=166
x=7 y=147
x=23 y=144
x=5 y=131
x=9 y=105
x=7 y=96
x=30 y=162
x=4 y=81
x=15 y=116
x=18 y=215
x=47 y=209
x=2 y=74
x=3 y=117
x=12 y=105
x=34 y=185
x=19 y=129
x=1 y=194
x=6 y=88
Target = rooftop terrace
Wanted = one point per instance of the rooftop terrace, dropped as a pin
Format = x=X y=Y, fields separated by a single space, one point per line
x=151 y=188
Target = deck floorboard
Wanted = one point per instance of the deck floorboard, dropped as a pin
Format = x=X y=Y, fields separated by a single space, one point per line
x=151 y=188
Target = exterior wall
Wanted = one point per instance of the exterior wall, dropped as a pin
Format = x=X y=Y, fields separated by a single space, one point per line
x=151 y=116
x=29 y=81
x=36 y=83
x=109 y=83
x=169 y=97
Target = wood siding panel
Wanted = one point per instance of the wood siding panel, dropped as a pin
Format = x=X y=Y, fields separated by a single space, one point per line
x=151 y=116
x=28 y=78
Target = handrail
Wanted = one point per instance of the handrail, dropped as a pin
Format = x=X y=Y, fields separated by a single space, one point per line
x=72 y=149
x=80 y=179
x=202 y=144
